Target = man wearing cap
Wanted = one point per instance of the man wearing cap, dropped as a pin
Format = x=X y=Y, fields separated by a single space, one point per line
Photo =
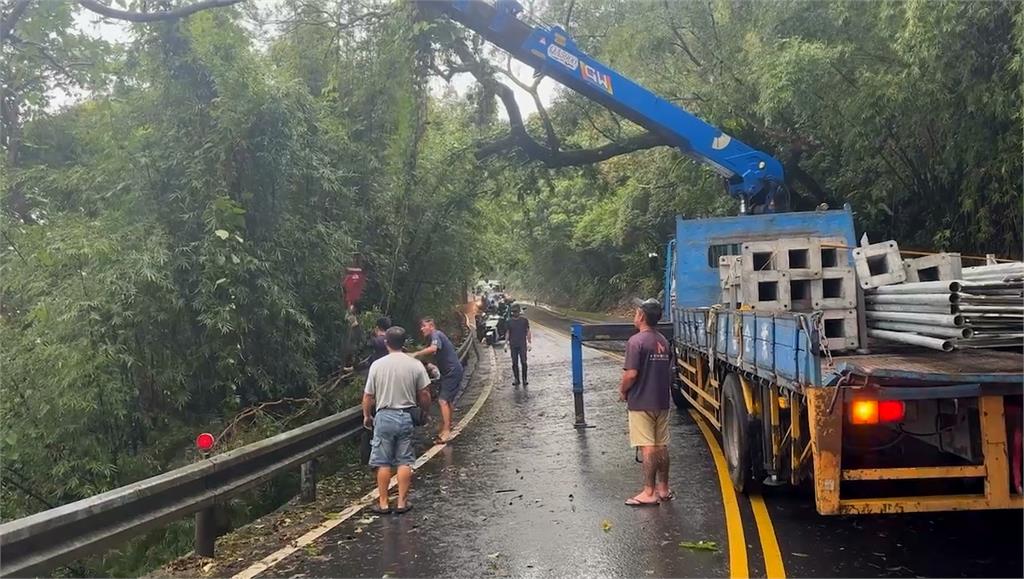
x=520 y=340
x=645 y=387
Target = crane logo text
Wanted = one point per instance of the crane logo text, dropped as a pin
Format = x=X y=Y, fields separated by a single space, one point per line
x=597 y=77
x=566 y=58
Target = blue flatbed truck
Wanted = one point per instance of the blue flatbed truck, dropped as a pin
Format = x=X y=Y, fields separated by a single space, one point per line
x=780 y=400
x=940 y=423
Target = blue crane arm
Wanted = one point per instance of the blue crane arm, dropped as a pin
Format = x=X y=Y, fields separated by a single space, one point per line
x=751 y=175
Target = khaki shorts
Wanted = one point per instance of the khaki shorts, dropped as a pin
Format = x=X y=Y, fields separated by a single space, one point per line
x=648 y=427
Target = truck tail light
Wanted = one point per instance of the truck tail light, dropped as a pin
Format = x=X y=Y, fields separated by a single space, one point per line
x=891 y=410
x=876 y=411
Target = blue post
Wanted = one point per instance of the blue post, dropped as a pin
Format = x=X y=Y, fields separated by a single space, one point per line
x=577 y=374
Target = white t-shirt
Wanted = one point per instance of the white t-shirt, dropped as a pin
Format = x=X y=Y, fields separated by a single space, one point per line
x=395 y=379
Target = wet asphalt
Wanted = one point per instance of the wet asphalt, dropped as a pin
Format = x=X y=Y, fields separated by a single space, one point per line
x=522 y=493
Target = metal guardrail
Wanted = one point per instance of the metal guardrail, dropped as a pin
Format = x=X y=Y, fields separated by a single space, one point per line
x=38 y=543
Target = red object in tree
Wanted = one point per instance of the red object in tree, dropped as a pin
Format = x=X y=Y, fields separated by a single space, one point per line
x=353 y=284
x=205 y=441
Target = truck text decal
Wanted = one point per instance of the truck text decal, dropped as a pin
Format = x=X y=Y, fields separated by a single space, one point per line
x=560 y=55
x=597 y=77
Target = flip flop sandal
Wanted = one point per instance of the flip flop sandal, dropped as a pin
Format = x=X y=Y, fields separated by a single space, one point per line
x=403 y=510
x=671 y=495
x=633 y=502
x=377 y=510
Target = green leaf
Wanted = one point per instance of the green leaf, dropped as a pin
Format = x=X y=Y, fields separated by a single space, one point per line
x=699 y=545
x=221 y=233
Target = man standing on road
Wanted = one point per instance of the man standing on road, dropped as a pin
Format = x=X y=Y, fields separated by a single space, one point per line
x=520 y=340
x=396 y=384
x=646 y=380
x=447 y=360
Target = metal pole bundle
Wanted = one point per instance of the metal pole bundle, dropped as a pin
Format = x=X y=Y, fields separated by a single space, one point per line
x=984 y=309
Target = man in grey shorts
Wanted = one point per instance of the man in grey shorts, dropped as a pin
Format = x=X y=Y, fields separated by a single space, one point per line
x=396 y=384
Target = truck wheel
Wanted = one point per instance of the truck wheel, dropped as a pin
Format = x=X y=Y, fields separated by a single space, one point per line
x=741 y=439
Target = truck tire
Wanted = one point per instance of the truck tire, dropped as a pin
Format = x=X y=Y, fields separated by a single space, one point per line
x=741 y=440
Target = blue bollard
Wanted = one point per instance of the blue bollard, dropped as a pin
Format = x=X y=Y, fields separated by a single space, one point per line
x=577 y=374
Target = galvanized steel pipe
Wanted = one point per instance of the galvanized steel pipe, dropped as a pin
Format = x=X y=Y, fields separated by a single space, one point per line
x=923 y=287
x=937 y=331
x=914 y=339
x=920 y=299
x=916 y=308
x=914 y=318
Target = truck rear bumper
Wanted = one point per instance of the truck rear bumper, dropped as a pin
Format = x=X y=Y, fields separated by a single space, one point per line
x=825 y=413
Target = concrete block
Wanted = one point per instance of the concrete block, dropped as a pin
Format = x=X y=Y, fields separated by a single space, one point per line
x=840 y=330
x=766 y=290
x=761 y=256
x=938 y=267
x=837 y=289
x=729 y=270
x=833 y=252
x=879 y=264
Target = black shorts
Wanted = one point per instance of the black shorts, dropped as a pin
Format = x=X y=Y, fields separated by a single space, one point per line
x=450 y=384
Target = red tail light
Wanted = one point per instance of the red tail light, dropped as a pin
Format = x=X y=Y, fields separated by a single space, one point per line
x=891 y=410
x=876 y=411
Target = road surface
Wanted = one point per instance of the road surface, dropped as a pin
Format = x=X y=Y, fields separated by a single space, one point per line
x=521 y=493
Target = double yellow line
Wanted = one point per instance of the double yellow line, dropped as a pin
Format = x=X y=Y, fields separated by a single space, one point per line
x=773 y=566
x=738 y=565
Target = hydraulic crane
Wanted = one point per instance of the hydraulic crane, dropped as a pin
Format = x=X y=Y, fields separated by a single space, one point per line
x=752 y=176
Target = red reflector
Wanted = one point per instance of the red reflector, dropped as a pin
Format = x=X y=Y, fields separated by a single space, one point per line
x=891 y=410
x=864 y=412
x=205 y=441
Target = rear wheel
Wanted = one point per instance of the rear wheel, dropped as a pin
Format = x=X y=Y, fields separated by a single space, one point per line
x=741 y=438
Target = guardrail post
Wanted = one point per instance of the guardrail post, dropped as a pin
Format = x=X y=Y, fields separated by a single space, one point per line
x=206 y=532
x=577 y=375
x=307 y=493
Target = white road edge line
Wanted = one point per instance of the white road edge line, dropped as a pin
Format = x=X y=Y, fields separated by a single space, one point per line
x=367 y=499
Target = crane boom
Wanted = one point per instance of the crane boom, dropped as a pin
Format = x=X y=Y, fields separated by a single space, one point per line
x=751 y=175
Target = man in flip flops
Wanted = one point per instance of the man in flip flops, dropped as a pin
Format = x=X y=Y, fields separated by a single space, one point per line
x=646 y=380
x=396 y=386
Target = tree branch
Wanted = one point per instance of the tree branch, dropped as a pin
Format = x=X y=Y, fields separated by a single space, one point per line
x=519 y=139
x=182 y=12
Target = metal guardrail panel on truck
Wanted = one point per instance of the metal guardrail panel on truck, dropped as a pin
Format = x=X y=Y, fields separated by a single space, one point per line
x=38 y=543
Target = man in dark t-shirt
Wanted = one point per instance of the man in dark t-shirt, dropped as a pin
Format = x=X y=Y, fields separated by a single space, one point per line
x=520 y=340
x=447 y=360
x=378 y=343
x=646 y=379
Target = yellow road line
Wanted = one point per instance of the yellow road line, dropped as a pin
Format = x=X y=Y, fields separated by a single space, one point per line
x=367 y=499
x=773 y=566
x=733 y=521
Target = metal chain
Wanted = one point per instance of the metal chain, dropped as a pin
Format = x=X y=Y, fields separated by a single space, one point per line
x=818 y=318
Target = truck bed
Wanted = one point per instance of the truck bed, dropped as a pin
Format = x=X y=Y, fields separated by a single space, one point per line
x=909 y=365
x=783 y=348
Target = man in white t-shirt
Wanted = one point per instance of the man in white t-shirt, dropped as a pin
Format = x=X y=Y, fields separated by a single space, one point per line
x=395 y=386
